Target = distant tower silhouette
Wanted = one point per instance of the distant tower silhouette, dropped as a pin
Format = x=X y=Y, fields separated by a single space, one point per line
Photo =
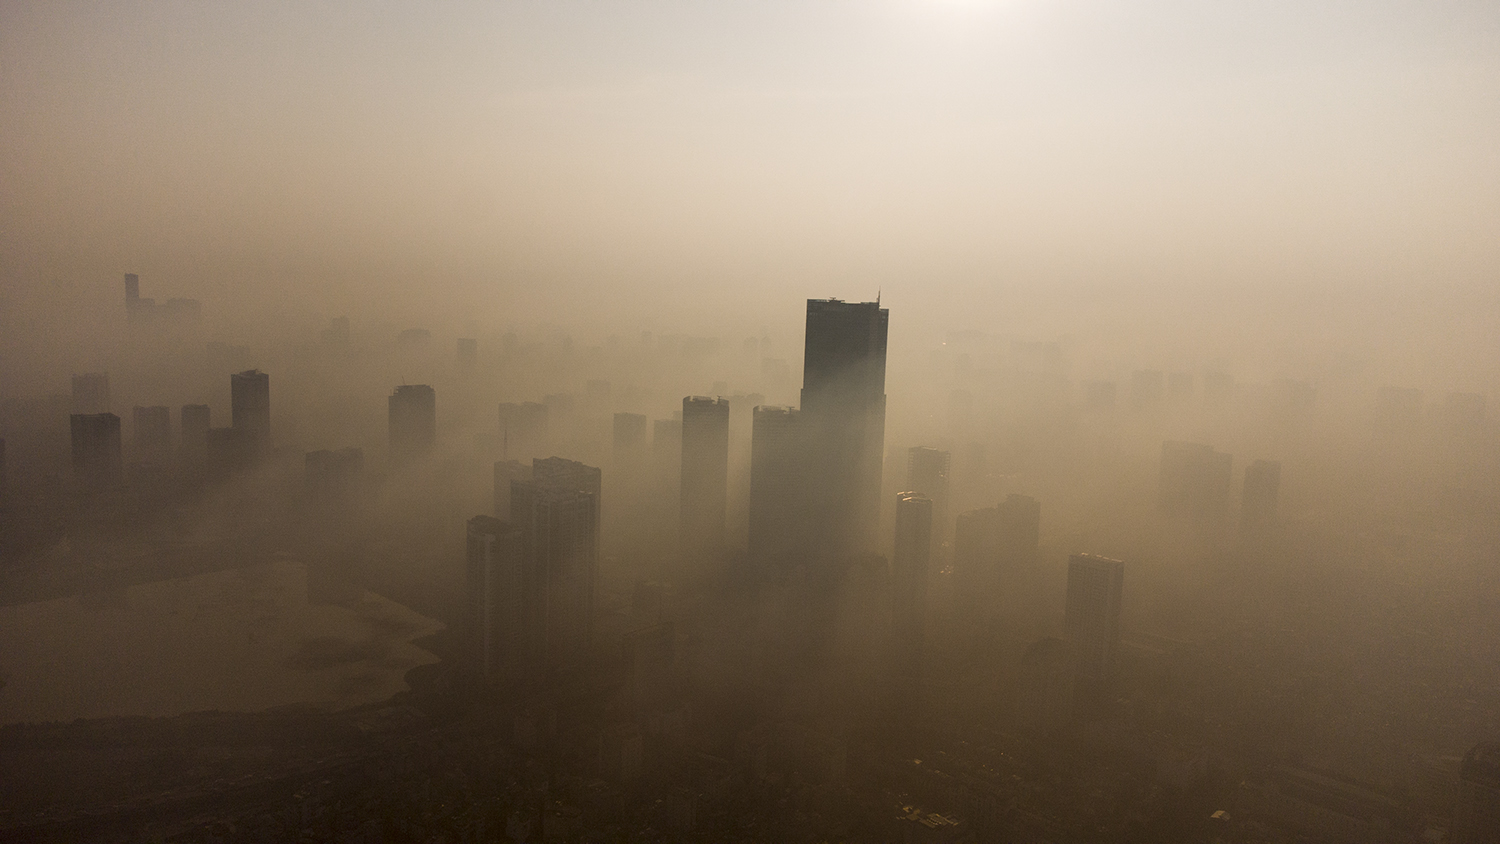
x=927 y=471
x=843 y=406
x=780 y=521
x=705 y=473
x=412 y=412
x=909 y=593
x=498 y=582
x=250 y=408
x=1092 y=616
x=557 y=515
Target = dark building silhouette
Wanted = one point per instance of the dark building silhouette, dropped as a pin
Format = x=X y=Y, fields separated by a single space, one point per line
x=557 y=515
x=250 y=408
x=96 y=448
x=1091 y=617
x=705 y=473
x=1262 y=488
x=1194 y=480
x=927 y=471
x=909 y=593
x=132 y=289
x=1099 y=395
x=1476 y=817
x=505 y=472
x=91 y=393
x=468 y=353
x=153 y=432
x=629 y=436
x=780 y=526
x=1146 y=388
x=333 y=475
x=498 y=585
x=412 y=413
x=843 y=408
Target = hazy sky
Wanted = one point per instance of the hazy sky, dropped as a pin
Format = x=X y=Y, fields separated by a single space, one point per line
x=511 y=157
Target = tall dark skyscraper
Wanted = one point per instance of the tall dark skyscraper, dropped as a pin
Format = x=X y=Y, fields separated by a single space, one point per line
x=843 y=407
x=909 y=592
x=250 y=407
x=496 y=617
x=96 y=448
x=412 y=410
x=705 y=473
x=557 y=515
x=91 y=393
x=779 y=519
x=1092 y=616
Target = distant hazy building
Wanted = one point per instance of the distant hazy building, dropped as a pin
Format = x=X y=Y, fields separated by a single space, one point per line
x=629 y=436
x=96 y=448
x=779 y=516
x=913 y=551
x=705 y=473
x=1045 y=688
x=333 y=475
x=1194 y=480
x=1146 y=388
x=843 y=408
x=1091 y=617
x=1262 y=488
x=927 y=471
x=557 y=515
x=498 y=585
x=412 y=410
x=250 y=408
x=468 y=353
x=153 y=432
x=1476 y=817
x=91 y=393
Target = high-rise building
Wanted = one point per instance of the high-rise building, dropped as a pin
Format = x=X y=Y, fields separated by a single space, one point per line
x=505 y=472
x=927 y=472
x=909 y=590
x=91 y=393
x=497 y=612
x=843 y=408
x=96 y=448
x=1262 y=488
x=250 y=408
x=1476 y=818
x=412 y=412
x=1194 y=480
x=1091 y=617
x=779 y=519
x=557 y=515
x=705 y=473
x=153 y=432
